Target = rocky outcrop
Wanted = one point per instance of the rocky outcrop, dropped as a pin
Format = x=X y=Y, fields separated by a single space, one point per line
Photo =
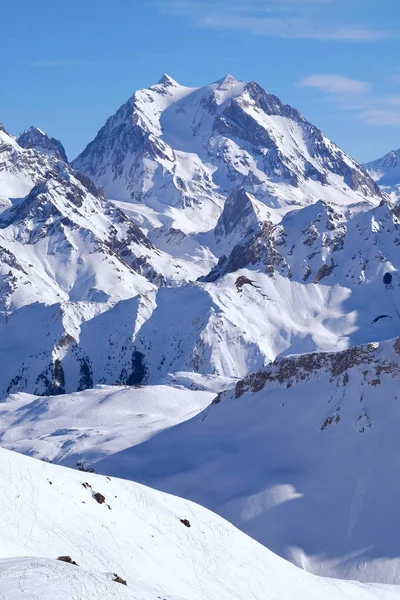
x=36 y=139
x=373 y=358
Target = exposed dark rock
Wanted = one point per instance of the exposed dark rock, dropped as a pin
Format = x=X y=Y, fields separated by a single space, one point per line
x=119 y=579
x=387 y=278
x=68 y=560
x=185 y=522
x=324 y=271
x=138 y=373
x=100 y=499
x=305 y=367
x=241 y=281
x=86 y=374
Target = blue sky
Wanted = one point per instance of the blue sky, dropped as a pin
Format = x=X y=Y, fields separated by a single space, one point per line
x=65 y=67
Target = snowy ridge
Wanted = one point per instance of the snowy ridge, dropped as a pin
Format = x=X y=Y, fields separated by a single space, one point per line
x=20 y=169
x=85 y=427
x=136 y=534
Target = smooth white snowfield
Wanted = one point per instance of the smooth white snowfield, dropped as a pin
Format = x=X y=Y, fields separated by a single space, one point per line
x=302 y=456
x=46 y=512
x=90 y=425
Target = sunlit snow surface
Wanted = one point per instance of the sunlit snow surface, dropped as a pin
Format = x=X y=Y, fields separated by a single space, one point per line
x=231 y=233
x=137 y=534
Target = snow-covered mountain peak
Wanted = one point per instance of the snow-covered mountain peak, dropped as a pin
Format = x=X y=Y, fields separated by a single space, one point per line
x=21 y=168
x=39 y=140
x=383 y=169
x=181 y=151
x=386 y=172
x=167 y=81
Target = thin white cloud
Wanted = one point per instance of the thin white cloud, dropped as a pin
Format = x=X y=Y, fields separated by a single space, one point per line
x=381 y=116
x=318 y=20
x=393 y=100
x=293 y=28
x=356 y=96
x=382 y=110
x=335 y=84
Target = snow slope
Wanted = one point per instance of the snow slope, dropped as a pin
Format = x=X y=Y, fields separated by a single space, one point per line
x=230 y=234
x=137 y=534
x=87 y=426
x=300 y=455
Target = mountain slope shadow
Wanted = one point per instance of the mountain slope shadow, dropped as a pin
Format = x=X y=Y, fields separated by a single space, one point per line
x=306 y=469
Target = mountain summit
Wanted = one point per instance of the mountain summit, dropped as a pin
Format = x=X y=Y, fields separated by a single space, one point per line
x=39 y=140
x=386 y=172
x=174 y=147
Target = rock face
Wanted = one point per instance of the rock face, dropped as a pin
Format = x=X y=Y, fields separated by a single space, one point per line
x=241 y=214
x=20 y=169
x=320 y=243
x=38 y=140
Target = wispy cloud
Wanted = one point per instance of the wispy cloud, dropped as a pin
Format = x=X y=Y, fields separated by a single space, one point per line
x=335 y=84
x=293 y=28
x=381 y=116
x=317 y=20
x=356 y=96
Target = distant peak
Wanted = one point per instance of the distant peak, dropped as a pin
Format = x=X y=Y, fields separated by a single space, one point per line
x=32 y=130
x=36 y=139
x=227 y=80
x=167 y=80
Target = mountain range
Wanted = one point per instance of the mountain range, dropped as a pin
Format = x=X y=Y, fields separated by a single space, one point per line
x=206 y=301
